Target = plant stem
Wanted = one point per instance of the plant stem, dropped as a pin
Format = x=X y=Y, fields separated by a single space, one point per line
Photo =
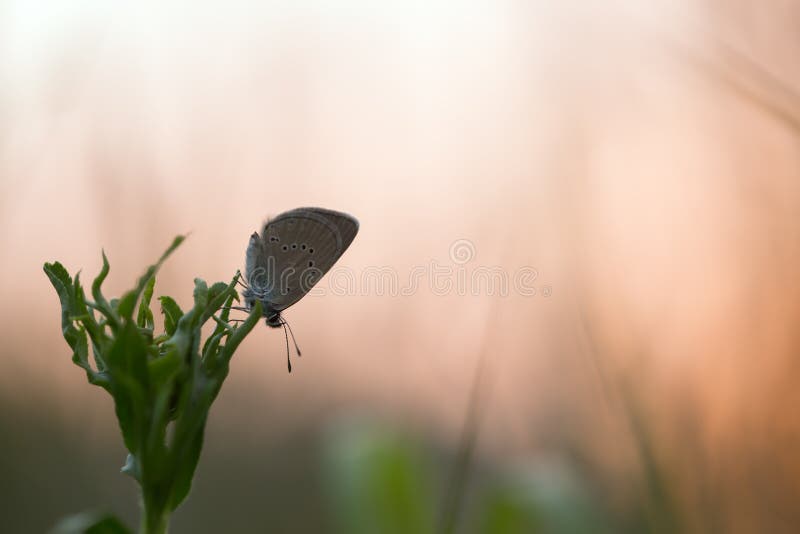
x=155 y=520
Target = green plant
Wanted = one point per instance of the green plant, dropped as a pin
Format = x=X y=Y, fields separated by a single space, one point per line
x=382 y=480
x=163 y=385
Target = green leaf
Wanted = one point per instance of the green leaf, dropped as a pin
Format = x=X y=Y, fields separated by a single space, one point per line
x=80 y=309
x=85 y=316
x=62 y=282
x=80 y=354
x=99 y=279
x=210 y=348
x=200 y=297
x=217 y=295
x=226 y=353
x=217 y=289
x=127 y=367
x=172 y=313
x=175 y=244
x=100 y=302
x=128 y=355
x=186 y=458
x=145 y=319
x=128 y=301
x=90 y=523
x=75 y=337
x=151 y=271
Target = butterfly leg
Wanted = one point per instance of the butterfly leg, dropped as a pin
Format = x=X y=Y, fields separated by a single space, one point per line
x=239 y=282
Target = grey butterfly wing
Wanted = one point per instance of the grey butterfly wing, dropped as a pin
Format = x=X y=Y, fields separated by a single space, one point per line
x=255 y=273
x=297 y=248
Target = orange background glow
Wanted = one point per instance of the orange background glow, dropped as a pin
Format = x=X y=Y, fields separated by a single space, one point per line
x=643 y=159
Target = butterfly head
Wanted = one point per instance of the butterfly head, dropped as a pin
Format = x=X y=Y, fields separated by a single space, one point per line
x=274 y=319
x=273 y=316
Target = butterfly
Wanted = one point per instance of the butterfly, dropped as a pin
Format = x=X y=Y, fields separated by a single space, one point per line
x=293 y=252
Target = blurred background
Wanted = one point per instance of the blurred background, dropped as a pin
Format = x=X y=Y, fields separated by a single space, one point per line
x=629 y=172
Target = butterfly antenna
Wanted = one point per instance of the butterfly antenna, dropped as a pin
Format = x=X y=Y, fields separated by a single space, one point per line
x=285 y=325
x=288 y=360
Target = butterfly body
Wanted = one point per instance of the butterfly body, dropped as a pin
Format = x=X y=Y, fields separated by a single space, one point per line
x=292 y=253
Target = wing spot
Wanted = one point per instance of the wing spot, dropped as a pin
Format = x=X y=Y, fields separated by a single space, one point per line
x=285 y=248
x=311 y=264
x=311 y=251
x=303 y=246
x=294 y=246
x=274 y=239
